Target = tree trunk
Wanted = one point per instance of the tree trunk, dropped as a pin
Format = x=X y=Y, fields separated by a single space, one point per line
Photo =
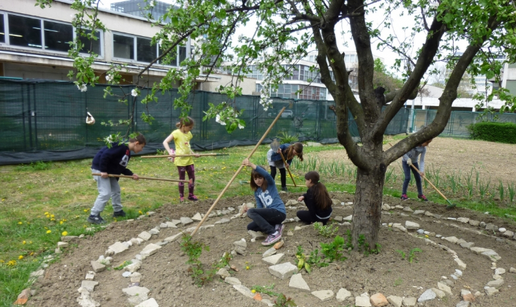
x=367 y=207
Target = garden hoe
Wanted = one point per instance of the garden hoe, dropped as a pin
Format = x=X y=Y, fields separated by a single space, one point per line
x=450 y=205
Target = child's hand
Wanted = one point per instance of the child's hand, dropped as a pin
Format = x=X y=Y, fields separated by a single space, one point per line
x=197 y=155
x=245 y=162
x=135 y=177
x=300 y=198
x=104 y=175
x=173 y=154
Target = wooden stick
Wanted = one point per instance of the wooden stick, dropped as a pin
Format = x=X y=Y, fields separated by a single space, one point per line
x=140 y=177
x=287 y=167
x=238 y=171
x=201 y=155
x=277 y=183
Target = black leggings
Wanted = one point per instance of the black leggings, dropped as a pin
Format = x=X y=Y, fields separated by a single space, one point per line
x=283 y=175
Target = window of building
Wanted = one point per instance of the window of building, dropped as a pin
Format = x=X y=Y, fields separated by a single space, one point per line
x=123 y=47
x=57 y=36
x=94 y=45
x=2 y=31
x=24 y=32
x=145 y=51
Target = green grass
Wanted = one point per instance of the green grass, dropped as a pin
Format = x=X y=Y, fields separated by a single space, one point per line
x=40 y=201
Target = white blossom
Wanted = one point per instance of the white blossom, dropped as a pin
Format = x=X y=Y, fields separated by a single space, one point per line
x=134 y=93
x=240 y=126
x=82 y=87
x=109 y=77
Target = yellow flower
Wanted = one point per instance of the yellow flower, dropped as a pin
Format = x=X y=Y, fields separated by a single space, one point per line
x=65 y=233
x=52 y=216
x=254 y=291
x=61 y=222
x=46 y=213
x=20 y=257
x=140 y=212
x=85 y=210
x=247 y=267
x=24 y=242
x=49 y=231
x=426 y=236
x=123 y=189
x=19 y=223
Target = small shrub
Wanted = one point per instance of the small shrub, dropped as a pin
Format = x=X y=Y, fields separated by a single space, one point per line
x=326 y=231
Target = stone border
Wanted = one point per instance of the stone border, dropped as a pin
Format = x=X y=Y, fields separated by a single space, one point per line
x=138 y=296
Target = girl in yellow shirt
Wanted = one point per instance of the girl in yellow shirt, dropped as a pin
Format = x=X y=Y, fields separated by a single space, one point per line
x=181 y=137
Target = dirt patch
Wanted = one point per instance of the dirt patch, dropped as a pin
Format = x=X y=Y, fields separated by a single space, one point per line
x=165 y=273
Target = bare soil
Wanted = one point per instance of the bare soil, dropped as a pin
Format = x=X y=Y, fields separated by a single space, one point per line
x=166 y=274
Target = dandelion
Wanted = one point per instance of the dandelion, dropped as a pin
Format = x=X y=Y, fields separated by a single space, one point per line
x=20 y=257
x=253 y=291
x=140 y=212
x=426 y=236
x=135 y=92
x=61 y=222
x=11 y=263
x=64 y=233
x=19 y=223
x=85 y=210
x=49 y=231
x=247 y=267
x=24 y=242
x=2 y=261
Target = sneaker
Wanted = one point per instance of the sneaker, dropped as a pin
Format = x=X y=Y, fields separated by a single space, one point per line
x=284 y=189
x=280 y=228
x=193 y=198
x=120 y=213
x=422 y=197
x=96 y=219
x=273 y=238
x=181 y=199
x=404 y=197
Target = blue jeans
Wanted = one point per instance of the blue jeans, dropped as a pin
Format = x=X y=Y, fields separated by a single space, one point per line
x=417 y=177
x=265 y=219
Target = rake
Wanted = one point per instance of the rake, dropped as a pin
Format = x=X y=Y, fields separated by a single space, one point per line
x=450 y=205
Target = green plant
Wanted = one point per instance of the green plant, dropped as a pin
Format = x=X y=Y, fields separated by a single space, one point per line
x=333 y=251
x=402 y=253
x=284 y=138
x=265 y=290
x=511 y=190
x=326 y=230
x=501 y=190
x=34 y=166
x=316 y=259
x=398 y=282
x=412 y=254
x=122 y=265
x=282 y=301
x=302 y=262
x=194 y=250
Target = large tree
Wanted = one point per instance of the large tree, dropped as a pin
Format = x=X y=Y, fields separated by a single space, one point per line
x=269 y=32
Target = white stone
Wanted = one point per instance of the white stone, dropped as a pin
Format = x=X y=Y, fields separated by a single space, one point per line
x=362 y=301
x=232 y=281
x=297 y=281
x=274 y=259
x=186 y=220
x=244 y=290
x=149 y=250
x=148 y=303
x=145 y=236
x=428 y=295
x=342 y=295
x=396 y=301
x=323 y=295
x=283 y=270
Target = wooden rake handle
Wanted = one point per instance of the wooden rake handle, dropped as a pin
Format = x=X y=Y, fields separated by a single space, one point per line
x=287 y=167
x=433 y=186
x=140 y=177
x=189 y=155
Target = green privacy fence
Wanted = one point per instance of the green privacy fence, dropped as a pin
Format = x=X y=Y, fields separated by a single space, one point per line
x=45 y=121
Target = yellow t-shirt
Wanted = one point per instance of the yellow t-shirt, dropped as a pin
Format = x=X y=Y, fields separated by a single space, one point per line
x=182 y=142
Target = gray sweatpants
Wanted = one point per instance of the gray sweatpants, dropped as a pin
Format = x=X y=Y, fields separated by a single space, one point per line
x=108 y=188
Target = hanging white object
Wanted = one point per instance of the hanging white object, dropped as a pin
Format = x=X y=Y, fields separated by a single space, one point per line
x=89 y=119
